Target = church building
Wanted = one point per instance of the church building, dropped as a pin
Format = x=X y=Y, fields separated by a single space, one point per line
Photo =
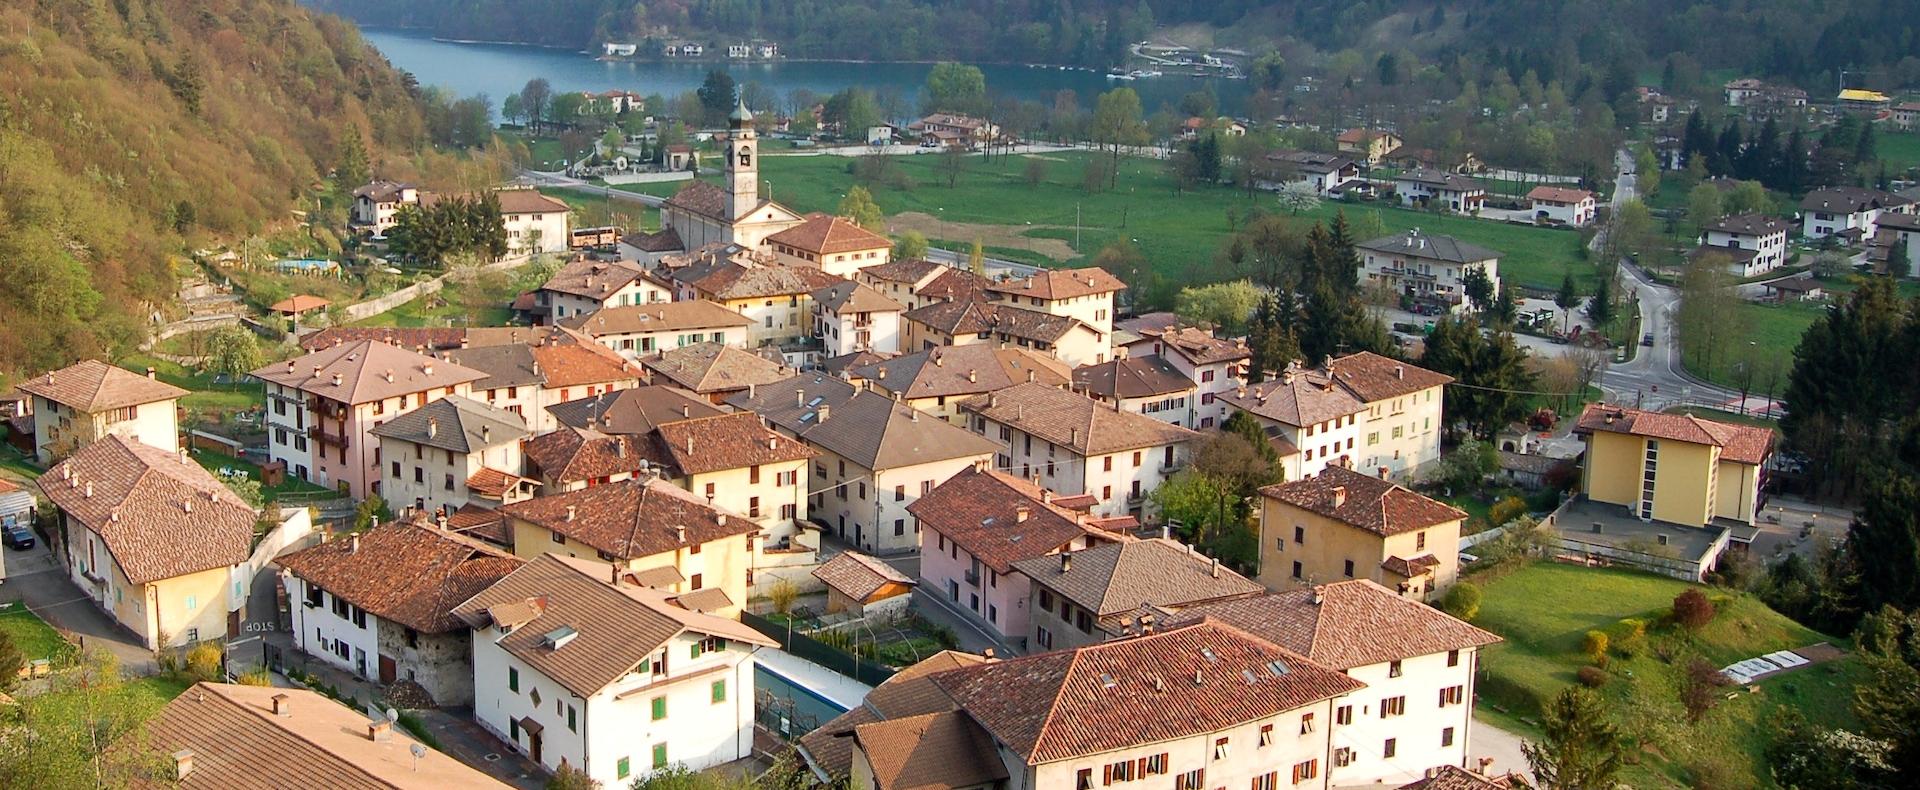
x=701 y=213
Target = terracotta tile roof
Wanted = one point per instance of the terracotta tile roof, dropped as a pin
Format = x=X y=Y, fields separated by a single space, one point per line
x=631 y=518
x=704 y=600
x=381 y=191
x=1194 y=680
x=238 y=743
x=846 y=364
x=1746 y=444
x=1053 y=284
x=1429 y=246
x=932 y=751
x=967 y=318
x=711 y=367
x=1296 y=397
x=663 y=240
x=366 y=371
x=971 y=369
x=409 y=574
x=299 y=303
x=904 y=270
x=824 y=234
x=1553 y=194
x=851 y=297
x=93 y=386
x=1453 y=777
x=573 y=454
x=1132 y=377
x=794 y=404
x=1749 y=224
x=1374 y=378
x=980 y=509
x=1410 y=568
x=1356 y=623
x=876 y=432
x=462 y=425
x=1149 y=324
x=416 y=338
x=1075 y=421
x=694 y=314
x=160 y=514
x=726 y=441
x=857 y=575
x=493 y=483
x=579 y=364
x=632 y=411
x=910 y=692
x=700 y=197
x=480 y=522
x=1199 y=346
x=529 y=201
x=1364 y=501
x=1118 y=578
x=615 y=626
x=726 y=280
x=1361 y=135
x=955 y=285
x=505 y=366
x=593 y=279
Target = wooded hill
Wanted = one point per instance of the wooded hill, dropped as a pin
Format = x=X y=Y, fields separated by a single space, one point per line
x=133 y=129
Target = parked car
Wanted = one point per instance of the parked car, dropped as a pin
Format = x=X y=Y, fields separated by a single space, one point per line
x=1647 y=340
x=18 y=537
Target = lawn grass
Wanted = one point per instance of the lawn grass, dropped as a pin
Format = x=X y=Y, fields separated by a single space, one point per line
x=544 y=151
x=32 y=636
x=1544 y=611
x=138 y=698
x=1179 y=231
x=17 y=463
x=214 y=462
x=202 y=393
x=1774 y=329
x=1898 y=151
x=448 y=308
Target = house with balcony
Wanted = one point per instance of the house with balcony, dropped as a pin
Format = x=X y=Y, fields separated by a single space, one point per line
x=1215 y=365
x=1368 y=145
x=850 y=317
x=451 y=453
x=83 y=402
x=1557 y=205
x=877 y=457
x=1341 y=524
x=1360 y=411
x=1437 y=189
x=375 y=205
x=322 y=407
x=642 y=330
x=1431 y=270
x=380 y=604
x=1075 y=445
x=584 y=286
x=1849 y=212
x=1148 y=385
x=589 y=665
x=1086 y=295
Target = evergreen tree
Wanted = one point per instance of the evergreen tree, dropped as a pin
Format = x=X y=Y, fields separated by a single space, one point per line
x=1581 y=749
x=1864 y=149
x=1696 y=140
x=717 y=95
x=1600 y=305
x=1567 y=299
x=350 y=169
x=1884 y=540
x=1792 y=171
x=1491 y=369
x=1504 y=308
x=1899 y=265
x=1479 y=289
x=1726 y=150
x=1844 y=397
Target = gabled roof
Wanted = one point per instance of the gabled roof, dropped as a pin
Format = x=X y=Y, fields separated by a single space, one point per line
x=1131 y=377
x=1453 y=777
x=1117 y=578
x=726 y=279
x=1052 y=284
x=963 y=370
x=904 y=270
x=632 y=411
x=712 y=367
x=663 y=240
x=966 y=318
x=1554 y=194
x=381 y=191
x=1353 y=624
x=1296 y=397
x=824 y=234
x=726 y=441
x=1379 y=506
x=955 y=285
x=238 y=742
x=573 y=454
x=92 y=386
x=1000 y=518
x=571 y=364
x=632 y=518
x=932 y=751
x=1746 y=444
x=366 y=371
x=408 y=337
x=857 y=575
x=411 y=574
x=1194 y=680
x=877 y=432
x=1848 y=200
x=851 y=297
x=794 y=404
x=529 y=201
x=1362 y=135
x=160 y=514
x=1374 y=378
x=615 y=626
x=1197 y=345
x=461 y=425
x=657 y=317
x=593 y=279
x=1074 y=421
x=1749 y=224
x=1416 y=244
x=299 y=303
x=910 y=692
x=1441 y=179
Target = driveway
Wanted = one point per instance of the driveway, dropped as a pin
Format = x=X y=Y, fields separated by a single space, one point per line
x=1502 y=746
x=35 y=579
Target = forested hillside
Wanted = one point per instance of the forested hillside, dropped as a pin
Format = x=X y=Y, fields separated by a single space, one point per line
x=131 y=129
x=1800 y=39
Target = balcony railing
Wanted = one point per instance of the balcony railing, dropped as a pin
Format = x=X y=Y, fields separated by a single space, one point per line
x=973 y=577
x=337 y=439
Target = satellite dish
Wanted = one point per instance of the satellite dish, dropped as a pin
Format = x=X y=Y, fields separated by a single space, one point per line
x=393 y=715
x=418 y=751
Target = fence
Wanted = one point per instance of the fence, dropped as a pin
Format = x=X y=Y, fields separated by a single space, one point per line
x=811 y=649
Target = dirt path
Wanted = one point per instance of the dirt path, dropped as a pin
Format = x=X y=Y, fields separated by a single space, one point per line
x=1008 y=236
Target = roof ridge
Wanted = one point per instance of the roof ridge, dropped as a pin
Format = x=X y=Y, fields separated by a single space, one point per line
x=1053 y=706
x=298 y=734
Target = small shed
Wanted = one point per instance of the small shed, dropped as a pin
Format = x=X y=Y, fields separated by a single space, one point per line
x=1796 y=289
x=294 y=306
x=16 y=504
x=860 y=585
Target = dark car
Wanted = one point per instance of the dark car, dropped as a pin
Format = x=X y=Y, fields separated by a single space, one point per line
x=18 y=536
x=1647 y=340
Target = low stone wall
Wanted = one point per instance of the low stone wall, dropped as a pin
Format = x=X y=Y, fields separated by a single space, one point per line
x=363 y=310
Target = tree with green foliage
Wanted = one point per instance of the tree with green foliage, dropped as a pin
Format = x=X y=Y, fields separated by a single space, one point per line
x=350 y=168
x=452 y=225
x=957 y=88
x=371 y=512
x=1748 y=197
x=1899 y=262
x=1709 y=319
x=1490 y=368
x=1118 y=123
x=12 y=663
x=910 y=246
x=1034 y=171
x=1580 y=749
x=717 y=96
x=1462 y=600
x=233 y=350
x=859 y=206
x=1504 y=308
x=1467 y=466
x=853 y=110
x=1478 y=287
x=83 y=733
x=977 y=259
x=1297 y=197
x=1271 y=341
x=1567 y=298
x=1703 y=205
x=1600 y=306
x=513 y=108
x=1228 y=305
x=534 y=97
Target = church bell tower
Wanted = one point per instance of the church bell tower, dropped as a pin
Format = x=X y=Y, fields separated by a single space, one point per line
x=743 y=173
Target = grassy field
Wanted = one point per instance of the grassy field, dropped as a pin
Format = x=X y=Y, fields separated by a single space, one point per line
x=138 y=698
x=1898 y=151
x=214 y=462
x=204 y=393
x=1545 y=610
x=32 y=636
x=1180 y=232
x=17 y=464
x=488 y=306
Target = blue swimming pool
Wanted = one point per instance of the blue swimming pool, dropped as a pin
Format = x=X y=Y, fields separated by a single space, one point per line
x=787 y=707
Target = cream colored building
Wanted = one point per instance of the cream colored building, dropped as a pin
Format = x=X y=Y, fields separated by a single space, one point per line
x=1082 y=294
x=585 y=285
x=1075 y=445
x=1339 y=524
x=556 y=366
x=837 y=245
x=963 y=323
x=646 y=329
x=1429 y=269
x=80 y=403
x=1363 y=411
x=877 y=457
x=451 y=453
x=937 y=380
x=701 y=213
x=775 y=298
x=850 y=317
x=1674 y=468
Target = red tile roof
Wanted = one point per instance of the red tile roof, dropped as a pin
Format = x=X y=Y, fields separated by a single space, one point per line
x=1553 y=194
x=1355 y=623
x=1074 y=421
x=736 y=440
x=1378 y=506
x=93 y=386
x=1000 y=518
x=365 y=371
x=411 y=574
x=857 y=575
x=1053 y=284
x=824 y=234
x=1746 y=444
x=161 y=515
x=299 y=303
x=632 y=518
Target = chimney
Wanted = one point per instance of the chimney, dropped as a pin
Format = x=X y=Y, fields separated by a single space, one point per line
x=353 y=545
x=971 y=376
x=427 y=368
x=379 y=730
x=1399 y=371
x=1073 y=437
x=883 y=373
x=1046 y=496
x=151 y=373
x=433 y=427
x=1020 y=514
x=89 y=492
x=1319 y=594
x=571 y=510
x=680 y=532
x=1482 y=767
x=316 y=371
x=750 y=388
x=1339 y=496
x=182 y=763
x=1216 y=567
x=824 y=414
x=987 y=653
x=1031 y=377
x=336 y=379
x=1383 y=473
x=486 y=433
x=1146 y=624
x=282 y=705
x=938 y=361
x=799 y=397
x=1066 y=561
x=389 y=375
x=620 y=448
x=1166 y=531
x=187 y=505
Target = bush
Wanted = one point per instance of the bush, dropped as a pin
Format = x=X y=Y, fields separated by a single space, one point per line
x=1633 y=637
x=1507 y=510
x=1699 y=688
x=1595 y=646
x=1593 y=677
x=782 y=595
x=11 y=662
x=203 y=661
x=1691 y=609
x=1462 y=600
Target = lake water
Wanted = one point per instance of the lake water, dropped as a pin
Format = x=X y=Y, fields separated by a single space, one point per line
x=499 y=69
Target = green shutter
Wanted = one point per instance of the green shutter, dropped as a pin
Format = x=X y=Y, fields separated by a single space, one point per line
x=622 y=768
x=659 y=708
x=695 y=652
x=513 y=679
x=659 y=755
x=719 y=691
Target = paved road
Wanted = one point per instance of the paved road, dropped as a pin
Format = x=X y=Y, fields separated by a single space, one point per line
x=34 y=577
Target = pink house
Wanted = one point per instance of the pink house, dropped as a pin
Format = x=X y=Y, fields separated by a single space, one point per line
x=976 y=525
x=322 y=407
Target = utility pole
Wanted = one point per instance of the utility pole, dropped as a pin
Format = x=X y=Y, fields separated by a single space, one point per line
x=1076 y=226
